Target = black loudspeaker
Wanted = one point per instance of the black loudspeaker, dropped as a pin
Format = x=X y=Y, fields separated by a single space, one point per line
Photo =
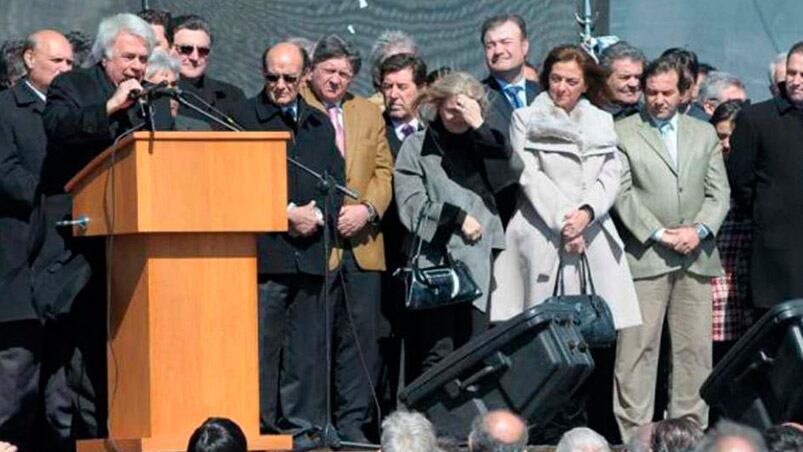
x=530 y=365
x=759 y=382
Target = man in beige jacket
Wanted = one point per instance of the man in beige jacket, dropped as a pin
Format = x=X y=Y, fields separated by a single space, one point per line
x=673 y=199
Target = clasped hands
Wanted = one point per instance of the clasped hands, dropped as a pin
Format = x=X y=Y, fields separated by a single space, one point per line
x=574 y=224
x=683 y=239
x=305 y=220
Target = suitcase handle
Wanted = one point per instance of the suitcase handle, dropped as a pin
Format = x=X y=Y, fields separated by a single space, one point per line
x=497 y=362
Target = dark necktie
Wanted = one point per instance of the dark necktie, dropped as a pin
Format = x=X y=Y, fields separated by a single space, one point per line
x=407 y=130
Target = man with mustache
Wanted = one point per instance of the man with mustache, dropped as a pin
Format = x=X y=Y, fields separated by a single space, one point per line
x=504 y=39
x=673 y=198
x=764 y=168
x=624 y=64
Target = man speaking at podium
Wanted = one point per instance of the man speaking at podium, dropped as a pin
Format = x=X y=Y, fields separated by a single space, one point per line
x=86 y=111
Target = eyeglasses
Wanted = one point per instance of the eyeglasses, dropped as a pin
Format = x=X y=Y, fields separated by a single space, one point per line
x=187 y=50
x=274 y=78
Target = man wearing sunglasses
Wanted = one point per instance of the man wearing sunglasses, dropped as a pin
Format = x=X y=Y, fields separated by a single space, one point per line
x=192 y=42
x=291 y=264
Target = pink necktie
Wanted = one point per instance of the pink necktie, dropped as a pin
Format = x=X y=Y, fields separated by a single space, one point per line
x=340 y=138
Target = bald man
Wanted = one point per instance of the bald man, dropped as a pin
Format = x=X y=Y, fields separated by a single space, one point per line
x=291 y=265
x=22 y=148
x=497 y=429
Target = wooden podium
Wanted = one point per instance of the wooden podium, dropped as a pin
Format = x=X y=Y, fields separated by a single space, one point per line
x=182 y=211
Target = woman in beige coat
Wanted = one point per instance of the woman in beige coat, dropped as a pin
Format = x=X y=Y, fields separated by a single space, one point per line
x=569 y=183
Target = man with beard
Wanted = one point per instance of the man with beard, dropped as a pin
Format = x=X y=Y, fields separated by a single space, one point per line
x=86 y=111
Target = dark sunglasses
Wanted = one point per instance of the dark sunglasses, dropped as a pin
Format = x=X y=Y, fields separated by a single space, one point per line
x=187 y=50
x=273 y=78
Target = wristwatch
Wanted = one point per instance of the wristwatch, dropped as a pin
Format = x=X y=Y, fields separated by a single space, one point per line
x=373 y=217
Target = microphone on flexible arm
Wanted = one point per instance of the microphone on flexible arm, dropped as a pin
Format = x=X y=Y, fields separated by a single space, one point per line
x=148 y=90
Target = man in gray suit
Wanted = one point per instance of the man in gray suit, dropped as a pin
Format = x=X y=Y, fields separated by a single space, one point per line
x=673 y=198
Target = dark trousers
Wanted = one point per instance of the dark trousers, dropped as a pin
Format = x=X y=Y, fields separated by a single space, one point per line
x=355 y=296
x=292 y=365
x=20 y=355
x=74 y=371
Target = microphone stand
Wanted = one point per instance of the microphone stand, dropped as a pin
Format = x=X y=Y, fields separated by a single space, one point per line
x=327 y=185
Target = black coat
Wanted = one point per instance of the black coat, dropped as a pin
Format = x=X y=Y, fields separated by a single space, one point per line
x=313 y=145
x=503 y=174
x=22 y=149
x=220 y=95
x=78 y=129
x=765 y=170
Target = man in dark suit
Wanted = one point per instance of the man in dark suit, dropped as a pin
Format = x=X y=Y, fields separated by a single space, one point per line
x=401 y=78
x=291 y=265
x=505 y=41
x=764 y=169
x=86 y=111
x=22 y=149
x=192 y=42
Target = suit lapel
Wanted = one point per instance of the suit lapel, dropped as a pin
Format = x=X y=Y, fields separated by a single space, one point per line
x=685 y=145
x=650 y=135
x=532 y=90
x=499 y=99
x=351 y=126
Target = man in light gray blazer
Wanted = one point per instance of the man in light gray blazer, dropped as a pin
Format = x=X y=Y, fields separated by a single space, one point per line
x=673 y=199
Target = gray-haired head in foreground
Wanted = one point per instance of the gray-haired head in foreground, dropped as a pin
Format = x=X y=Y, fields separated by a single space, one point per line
x=453 y=84
x=390 y=42
x=112 y=26
x=333 y=46
x=620 y=51
x=492 y=432
x=161 y=61
x=778 y=59
x=582 y=439
x=732 y=437
x=12 y=67
x=404 y=431
x=716 y=82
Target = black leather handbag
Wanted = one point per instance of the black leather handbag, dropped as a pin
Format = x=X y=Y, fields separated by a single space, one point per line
x=438 y=285
x=592 y=314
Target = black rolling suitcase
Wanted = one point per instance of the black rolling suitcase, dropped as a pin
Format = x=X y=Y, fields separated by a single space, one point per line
x=530 y=364
x=760 y=380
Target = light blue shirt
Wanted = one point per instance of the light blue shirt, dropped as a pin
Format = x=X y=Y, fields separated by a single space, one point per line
x=522 y=93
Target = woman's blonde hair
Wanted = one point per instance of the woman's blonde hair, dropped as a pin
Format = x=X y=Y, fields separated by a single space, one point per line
x=455 y=83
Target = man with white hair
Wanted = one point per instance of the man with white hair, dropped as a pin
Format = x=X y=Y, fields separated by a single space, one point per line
x=86 y=110
x=408 y=432
x=719 y=87
x=582 y=439
x=729 y=436
x=777 y=73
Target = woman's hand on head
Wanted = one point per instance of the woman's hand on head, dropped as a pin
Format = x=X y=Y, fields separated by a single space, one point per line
x=471 y=111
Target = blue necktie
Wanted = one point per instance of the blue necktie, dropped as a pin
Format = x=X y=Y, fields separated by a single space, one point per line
x=512 y=92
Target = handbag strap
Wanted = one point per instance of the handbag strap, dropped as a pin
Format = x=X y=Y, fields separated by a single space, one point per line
x=586 y=281
x=413 y=257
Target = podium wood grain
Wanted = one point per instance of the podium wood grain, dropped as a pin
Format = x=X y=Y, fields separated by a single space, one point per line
x=182 y=211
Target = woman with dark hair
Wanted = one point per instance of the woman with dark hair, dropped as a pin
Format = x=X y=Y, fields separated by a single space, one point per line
x=440 y=182
x=731 y=312
x=218 y=434
x=570 y=180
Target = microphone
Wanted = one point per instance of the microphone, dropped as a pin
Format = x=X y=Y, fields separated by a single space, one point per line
x=146 y=91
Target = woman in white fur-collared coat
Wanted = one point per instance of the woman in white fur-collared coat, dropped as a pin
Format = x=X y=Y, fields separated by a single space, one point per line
x=569 y=183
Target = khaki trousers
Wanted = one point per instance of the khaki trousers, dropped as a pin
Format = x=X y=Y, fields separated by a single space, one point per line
x=685 y=300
